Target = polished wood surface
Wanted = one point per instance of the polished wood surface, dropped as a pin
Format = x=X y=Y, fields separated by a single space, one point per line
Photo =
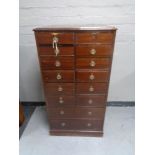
x=76 y=113
x=75 y=65
x=48 y=63
x=95 y=37
x=63 y=51
x=46 y=37
x=87 y=50
x=59 y=76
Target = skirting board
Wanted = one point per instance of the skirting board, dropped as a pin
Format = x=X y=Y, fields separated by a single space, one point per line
x=112 y=103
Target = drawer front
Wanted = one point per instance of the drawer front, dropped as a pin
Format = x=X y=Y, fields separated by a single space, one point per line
x=93 y=63
x=47 y=37
x=56 y=63
x=95 y=125
x=59 y=89
x=60 y=101
x=92 y=76
x=91 y=100
x=91 y=88
x=63 y=51
x=94 y=51
x=95 y=37
x=76 y=112
x=58 y=76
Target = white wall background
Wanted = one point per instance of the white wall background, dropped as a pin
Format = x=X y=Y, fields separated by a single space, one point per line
x=36 y=13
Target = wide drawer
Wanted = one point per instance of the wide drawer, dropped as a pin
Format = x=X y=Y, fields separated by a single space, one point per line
x=92 y=76
x=47 y=37
x=91 y=88
x=60 y=100
x=48 y=62
x=91 y=100
x=95 y=37
x=76 y=112
x=93 y=63
x=59 y=89
x=49 y=50
x=94 y=50
x=95 y=125
x=58 y=76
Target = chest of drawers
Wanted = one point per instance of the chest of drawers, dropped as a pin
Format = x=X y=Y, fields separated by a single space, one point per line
x=75 y=66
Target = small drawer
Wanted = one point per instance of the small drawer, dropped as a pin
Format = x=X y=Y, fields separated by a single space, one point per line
x=57 y=63
x=59 y=89
x=60 y=100
x=91 y=100
x=94 y=50
x=91 y=88
x=47 y=37
x=82 y=125
x=93 y=63
x=62 y=113
x=95 y=37
x=49 y=50
x=90 y=113
x=76 y=112
x=92 y=76
x=58 y=76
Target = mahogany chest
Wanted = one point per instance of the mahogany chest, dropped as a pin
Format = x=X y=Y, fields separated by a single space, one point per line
x=75 y=65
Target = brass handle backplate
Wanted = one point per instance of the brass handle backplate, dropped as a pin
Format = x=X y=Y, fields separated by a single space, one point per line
x=90 y=101
x=91 y=88
x=57 y=63
x=62 y=112
x=92 y=63
x=63 y=124
x=92 y=51
x=59 y=77
x=91 y=77
x=60 y=88
x=89 y=124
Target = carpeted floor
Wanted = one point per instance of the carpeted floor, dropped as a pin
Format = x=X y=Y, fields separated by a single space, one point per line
x=118 y=136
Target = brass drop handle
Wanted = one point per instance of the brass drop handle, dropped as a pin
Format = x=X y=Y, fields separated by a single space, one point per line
x=91 y=77
x=60 y=89
x=63 y=124
x=93 y=51
x=57 y=63
x=59 y=77
x=89 y=124
x=62 y=112
x=91 y=88
x=92 y=63
x=90 y=101
x=61 y=100
x=56 y=51
x=55 y=43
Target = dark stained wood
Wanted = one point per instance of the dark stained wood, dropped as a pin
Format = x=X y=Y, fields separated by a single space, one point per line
x=95 y=37
x=92 y=76
x=100 y=63
x=91 y=88
x=76 y=133
x=76 y=102
x=47 y=38
x=76 y=112
x=48 y=63
x=84 y=125
x=60 y=101
x=91 y=100
x=63 y=51
x=59 y=89
x=100 y=50
x=58 y=76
